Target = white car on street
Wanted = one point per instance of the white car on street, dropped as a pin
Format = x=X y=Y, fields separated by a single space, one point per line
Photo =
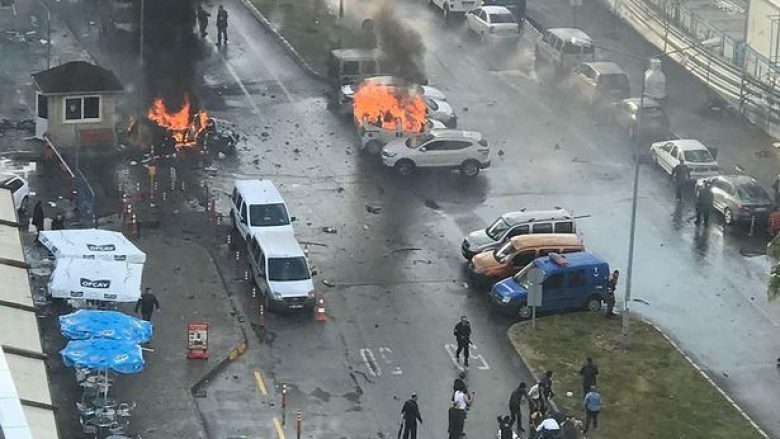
x=20 y=190
x=467 y=151
x=373 y=137
x=494 y=24
x=441 y=111
x=694 y=154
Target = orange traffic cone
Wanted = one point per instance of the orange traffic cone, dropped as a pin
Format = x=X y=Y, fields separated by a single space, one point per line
x=261 y=320
x=319 y=310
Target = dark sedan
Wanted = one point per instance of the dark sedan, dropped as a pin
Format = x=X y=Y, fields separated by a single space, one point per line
x=739 y=198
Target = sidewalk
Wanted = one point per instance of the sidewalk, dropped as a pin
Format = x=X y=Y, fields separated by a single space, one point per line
x=743 y=147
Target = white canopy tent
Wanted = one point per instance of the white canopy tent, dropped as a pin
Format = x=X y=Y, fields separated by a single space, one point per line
x=88 y=279
x=91 y=244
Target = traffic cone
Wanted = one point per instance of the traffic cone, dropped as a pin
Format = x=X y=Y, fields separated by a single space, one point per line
x=319 y=310
x=261 y=319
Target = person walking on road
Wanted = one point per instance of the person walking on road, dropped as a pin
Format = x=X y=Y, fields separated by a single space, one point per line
x=222 y=24
x=704 y=203
x=592 y=406
x=38 y=217
x=681 y=174
x=589 y=371
x=457 y=420
x=147 y=304
x=462 y=334
x=611 y=287
x=515 y=406
x=411 y=414
x=203 y=21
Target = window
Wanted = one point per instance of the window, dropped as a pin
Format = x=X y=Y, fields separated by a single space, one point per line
x=86 y=108
x=265 y=215
x=43 y=107
x=577 y=278
x=668 y=147
x=13 y=184
x=243 y=212
x=546 y=37
x=454 y=145
x=519 y=230
x=482 y=15
x=697 y=155
x=369 y=68
x=673 y=152
x=523 y=258
x=553 y=282
x=543 y=228
x=502 y=18
x=564 y=227
x=436 y=146
x=350 y=68
x=288 y=269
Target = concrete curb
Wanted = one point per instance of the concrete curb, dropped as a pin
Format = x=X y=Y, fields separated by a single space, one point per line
x=283 y=41
x=707 y=377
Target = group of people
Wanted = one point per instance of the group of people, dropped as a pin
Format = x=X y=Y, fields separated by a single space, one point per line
x=222 y=24
x=681 y=174
x=38 y=218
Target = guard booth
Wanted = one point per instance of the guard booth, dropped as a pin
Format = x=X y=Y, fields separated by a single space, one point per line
x=76 y=105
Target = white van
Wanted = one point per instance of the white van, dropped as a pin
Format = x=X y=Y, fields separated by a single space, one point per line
x=257 y=205
x=562 y=49
x=280 y=271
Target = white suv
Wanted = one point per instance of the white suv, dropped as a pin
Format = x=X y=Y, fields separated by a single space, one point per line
x=256 y=205
x=467 y=151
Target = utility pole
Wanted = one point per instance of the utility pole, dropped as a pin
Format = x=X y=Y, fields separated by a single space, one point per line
x=48 y=33
x=141 y=36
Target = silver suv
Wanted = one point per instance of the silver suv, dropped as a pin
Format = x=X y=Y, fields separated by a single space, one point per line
x=467 y=151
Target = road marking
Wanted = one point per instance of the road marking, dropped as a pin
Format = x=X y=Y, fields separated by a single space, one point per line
x=260 y=382
x=229 y=67
x=278 y=427
x=370 y=361
x=452 y=349
x=387 y=355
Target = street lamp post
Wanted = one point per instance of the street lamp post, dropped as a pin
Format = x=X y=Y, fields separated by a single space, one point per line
x=48 y=33
x=141 y=34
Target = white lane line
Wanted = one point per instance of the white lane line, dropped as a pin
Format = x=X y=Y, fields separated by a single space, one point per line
x=370 y=361
x=229 y=67
x=451 y=349
x=387 y=355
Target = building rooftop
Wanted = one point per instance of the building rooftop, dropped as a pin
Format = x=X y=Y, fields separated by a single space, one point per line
x=77 y=77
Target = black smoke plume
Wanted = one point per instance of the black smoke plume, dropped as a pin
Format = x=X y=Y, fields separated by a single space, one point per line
x=402 y=45
x=171 y=50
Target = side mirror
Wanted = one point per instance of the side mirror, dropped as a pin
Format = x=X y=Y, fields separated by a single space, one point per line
x=313 y=272
x=293 y=219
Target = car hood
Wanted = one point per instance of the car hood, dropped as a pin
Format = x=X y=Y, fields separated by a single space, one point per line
x=485 y=261
x=434 y=93
x=291 y=288
x=508 y=288
x=478 y=238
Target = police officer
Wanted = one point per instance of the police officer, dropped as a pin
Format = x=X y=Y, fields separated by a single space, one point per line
x=203 y=21
x=462 y=334
x=222 y=17
x=411 y=414
x=704 y=203
x=681 y=174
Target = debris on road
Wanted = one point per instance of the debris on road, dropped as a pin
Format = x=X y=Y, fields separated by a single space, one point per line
x=327 y=283
x=329 y=230
x=406 y=249
x=373 y=209
x=432 y=204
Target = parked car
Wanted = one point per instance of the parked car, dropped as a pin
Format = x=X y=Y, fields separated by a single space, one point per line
x=494 y=24
x=600 y=83
x=450 y=8
x=655 y=123
x=516 y=7
x=20 y=190
x=513 y=256
x=467 y=151
x=693 y=153
x=373 y=138
x=561 y=49
x=739 y=198
x=518 y=223
x=256 y=205
x=441 y=111
x=280 y=271
x=347 y=91
x=570 y=282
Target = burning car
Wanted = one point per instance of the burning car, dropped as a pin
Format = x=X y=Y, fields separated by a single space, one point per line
x=373 y=137
x=347 y=92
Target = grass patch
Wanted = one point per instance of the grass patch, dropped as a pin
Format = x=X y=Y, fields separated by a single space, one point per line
x=649 y=391
x=311 y=27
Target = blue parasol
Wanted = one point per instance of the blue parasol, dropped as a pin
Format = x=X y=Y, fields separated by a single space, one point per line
x=85 y=324
x=102 y=354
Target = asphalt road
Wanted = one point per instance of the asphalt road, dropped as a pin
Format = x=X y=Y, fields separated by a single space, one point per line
x=392 y=300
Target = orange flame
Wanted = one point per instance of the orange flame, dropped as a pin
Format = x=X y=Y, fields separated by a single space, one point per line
x=184 y=127
x=390 y=106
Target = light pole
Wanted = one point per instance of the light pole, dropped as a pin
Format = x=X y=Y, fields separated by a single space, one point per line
x=141 y=34
x=48 y=33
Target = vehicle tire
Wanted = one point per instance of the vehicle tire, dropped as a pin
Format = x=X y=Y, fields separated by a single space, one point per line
x=24 y=204
x=469 y=168
x=405 y=167
x=374 y=147
x=728 y=217
x=446 y=14
x=524 y=311
x=593 y=304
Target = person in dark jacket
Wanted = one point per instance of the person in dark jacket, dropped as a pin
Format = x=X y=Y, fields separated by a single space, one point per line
x=460 y=383
x=456 y=422
x=545 y=387
x=704 y=203
x=222 y=24
x=681 y=174
x=612 y=282
x=588 y=371
x=411 y=414
x=776 y=187
x=58 y=223
x=462 y=334
x=505 y=427
x=203 y=21
x=38 y=216
x=515 y=405
x=147 y=304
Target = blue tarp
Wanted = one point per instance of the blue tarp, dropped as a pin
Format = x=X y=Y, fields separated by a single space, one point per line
x=85 y=324
x=102 y=354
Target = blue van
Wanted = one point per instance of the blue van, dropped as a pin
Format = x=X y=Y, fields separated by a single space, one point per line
x=572 y=281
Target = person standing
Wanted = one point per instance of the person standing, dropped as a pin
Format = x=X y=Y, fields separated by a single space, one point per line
x=411 y=414
x=545 y=388
x=147 y=304
x=38 y=217
x=460 y=384
x=681 y=174
x=456 y=422
x=203 y=21
x=592 y=406
x=704 y=203
x=515 y=406
x=611 y=287
x=776 y=187
x=589 y=371
x=535 y=399
x=462 y=334
x=222 y=24
x=58 y=223
x=504 y=427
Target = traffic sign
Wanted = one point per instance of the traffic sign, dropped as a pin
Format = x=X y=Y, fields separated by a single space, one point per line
x=535 y=278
